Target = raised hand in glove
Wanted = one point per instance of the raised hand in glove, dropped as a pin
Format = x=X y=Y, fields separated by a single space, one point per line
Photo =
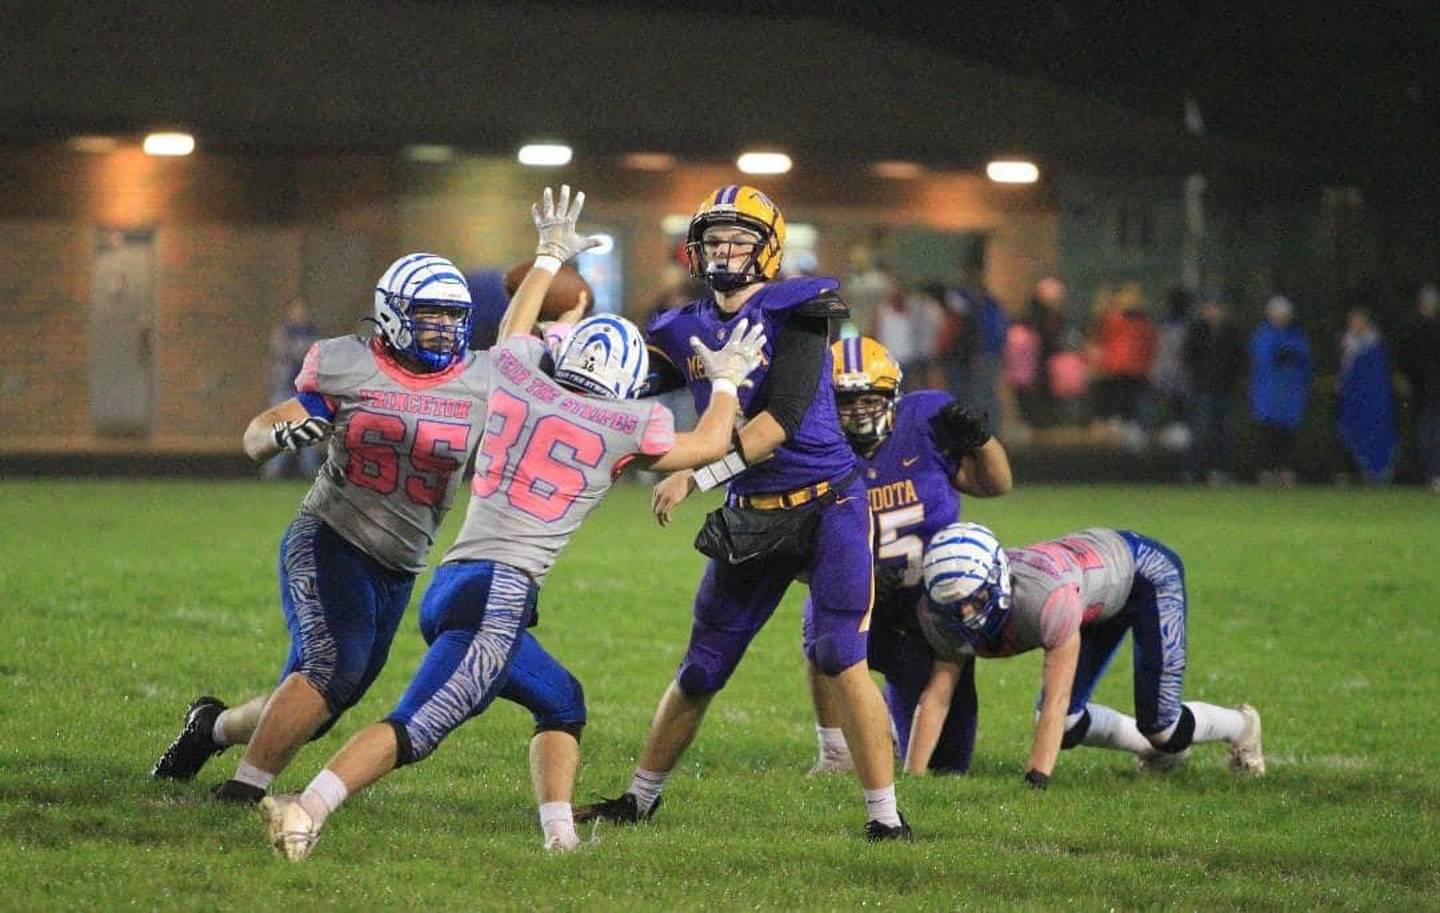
x=733 y=362
x=958 y=430
x=295 y=435
x=555 y=223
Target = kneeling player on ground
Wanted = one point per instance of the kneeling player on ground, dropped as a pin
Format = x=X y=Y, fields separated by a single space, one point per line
x=918 y=453
x=556 y=435
x=1075 y=597
x=405 y=407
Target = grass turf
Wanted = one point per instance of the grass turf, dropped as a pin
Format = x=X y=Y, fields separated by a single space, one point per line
x=123 y=600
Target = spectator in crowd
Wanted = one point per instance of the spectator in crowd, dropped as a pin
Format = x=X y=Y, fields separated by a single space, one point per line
x=866 y=288
x=907 y=325
x=1418 y=357
x=1047 y=313
x=1125 y=338
x=289 y=342
x=1215 y=359
x=1279 y=386
x=1069 y=377
x=959 y=339
x=1022 y=368
x=1365 y=407
x=1169 y=376
x=991 y=326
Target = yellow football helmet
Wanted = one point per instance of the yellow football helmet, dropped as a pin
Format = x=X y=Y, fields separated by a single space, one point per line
x=736 y=206
x=866 y=378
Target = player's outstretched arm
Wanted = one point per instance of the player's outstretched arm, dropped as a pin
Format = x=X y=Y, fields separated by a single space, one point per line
x=931 y=712
x=555 y=224
x=1058 y=676
x=984 y=472
x=727 y=368
x=288 y=426
x=963 y=436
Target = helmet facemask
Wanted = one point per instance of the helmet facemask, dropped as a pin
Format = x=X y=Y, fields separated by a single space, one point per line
x=727 y=255
x=867 y=417
x=423 y=311
x=439 y=332
x=967 y=581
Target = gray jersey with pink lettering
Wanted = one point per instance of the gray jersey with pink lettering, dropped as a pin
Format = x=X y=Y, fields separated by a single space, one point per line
x=547 y=458
x=398 y=448
x=1060 y=584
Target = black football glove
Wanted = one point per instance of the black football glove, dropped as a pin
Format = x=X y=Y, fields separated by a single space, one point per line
x=295 y=435
x=958 y=430
x=1036 y=780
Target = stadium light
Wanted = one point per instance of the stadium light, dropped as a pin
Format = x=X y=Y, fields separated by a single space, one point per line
x=169 y=144
x=1012 y=171
x=649 y=161
x=897 y=170
x=545 y=155
x=429 y=153
x=763 y=163
x=93 y=144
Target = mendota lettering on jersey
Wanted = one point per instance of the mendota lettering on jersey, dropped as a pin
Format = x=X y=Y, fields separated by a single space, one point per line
x=695 y=368
x=893 y=494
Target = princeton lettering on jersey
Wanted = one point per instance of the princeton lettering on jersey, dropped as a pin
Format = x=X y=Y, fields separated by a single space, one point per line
x=418 y=403
x=893 y=494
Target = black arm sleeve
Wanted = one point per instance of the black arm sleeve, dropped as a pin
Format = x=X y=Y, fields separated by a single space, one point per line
x=795 y=372
x=663 y=376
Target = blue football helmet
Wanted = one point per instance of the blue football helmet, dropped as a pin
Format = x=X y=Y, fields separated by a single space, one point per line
x=423 y=281
x=604 y=355
x=964 y=564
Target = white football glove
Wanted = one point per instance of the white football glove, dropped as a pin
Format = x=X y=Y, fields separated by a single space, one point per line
x=299 y=434
x=733 y=362
x=556 y=225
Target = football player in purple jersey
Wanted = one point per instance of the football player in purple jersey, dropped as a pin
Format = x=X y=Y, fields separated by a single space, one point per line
x=1076 y=597
x=796 y=507
x=918 y=453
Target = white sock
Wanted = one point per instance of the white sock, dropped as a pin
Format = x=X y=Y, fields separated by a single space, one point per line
x=833 y=746
x=1216 y=724
x=249 y=773
x=324 y=795
x=880 y=806
x=1109 y=728
x=557 y=819
x=217 y=732
x=646 y=786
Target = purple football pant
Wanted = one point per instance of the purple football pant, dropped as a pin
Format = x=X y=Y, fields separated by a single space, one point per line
x=733 y=604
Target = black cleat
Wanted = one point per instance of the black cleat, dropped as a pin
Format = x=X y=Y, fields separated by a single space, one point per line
x=237 y=793
x=876 y=832
x=194 y=745
x=620 y=810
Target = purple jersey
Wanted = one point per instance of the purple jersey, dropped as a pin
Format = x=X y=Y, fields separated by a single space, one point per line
x=911 y=492
x=818 y=452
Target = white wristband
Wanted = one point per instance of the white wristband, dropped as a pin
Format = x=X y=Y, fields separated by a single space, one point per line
x=548 y=263
x=722 y=470
x=722 y=385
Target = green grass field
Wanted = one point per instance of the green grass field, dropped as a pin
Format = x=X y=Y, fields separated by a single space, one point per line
x=122 y=601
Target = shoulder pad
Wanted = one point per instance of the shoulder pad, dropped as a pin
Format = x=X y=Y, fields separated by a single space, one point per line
x=826 y=304
x=920 y=405
x=660 y=321
x=789 y=294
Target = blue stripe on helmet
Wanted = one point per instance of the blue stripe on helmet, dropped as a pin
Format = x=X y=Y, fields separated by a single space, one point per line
x=728 y=194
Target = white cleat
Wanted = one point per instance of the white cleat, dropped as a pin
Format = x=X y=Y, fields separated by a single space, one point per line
x=567 y=842
x=829 y=764
x=1246 y=757
x=1161 y=762
x=289 y=829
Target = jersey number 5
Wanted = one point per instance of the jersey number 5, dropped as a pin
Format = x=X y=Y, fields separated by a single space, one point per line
x=894 y=545
x=539 y=484
x=374 y=441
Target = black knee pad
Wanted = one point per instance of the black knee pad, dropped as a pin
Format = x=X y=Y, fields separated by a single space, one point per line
x=1075 y=734
x=404 y=748
x=696 y=680
x=1183 y=735
x=573 y=729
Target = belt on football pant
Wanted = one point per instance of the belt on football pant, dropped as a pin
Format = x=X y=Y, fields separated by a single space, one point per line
x=791 y=499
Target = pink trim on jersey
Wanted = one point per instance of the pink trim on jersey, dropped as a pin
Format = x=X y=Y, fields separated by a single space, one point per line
x=306 y=380
x=556 y=335
x=1060 y=616
x=659 y=436
x=412 y=380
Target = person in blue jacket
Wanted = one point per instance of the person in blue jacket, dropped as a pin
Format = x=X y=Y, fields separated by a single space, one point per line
x=1279 y=384
x=1365 y=408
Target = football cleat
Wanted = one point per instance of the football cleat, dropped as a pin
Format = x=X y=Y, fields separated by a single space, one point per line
x=194 y=745
x=1160 y=762
x=875 y=832
x=1246 y=757
x=289 y=829
x=624 y=809
x=237 y=793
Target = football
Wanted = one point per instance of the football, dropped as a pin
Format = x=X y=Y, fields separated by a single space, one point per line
x=564 y=291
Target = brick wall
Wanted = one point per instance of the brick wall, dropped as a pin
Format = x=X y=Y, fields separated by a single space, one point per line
x=237 y=234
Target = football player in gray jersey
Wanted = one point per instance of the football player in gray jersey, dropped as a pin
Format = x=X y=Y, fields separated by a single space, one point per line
x=558 y=430
x=402 y=412
x=1075 y=597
